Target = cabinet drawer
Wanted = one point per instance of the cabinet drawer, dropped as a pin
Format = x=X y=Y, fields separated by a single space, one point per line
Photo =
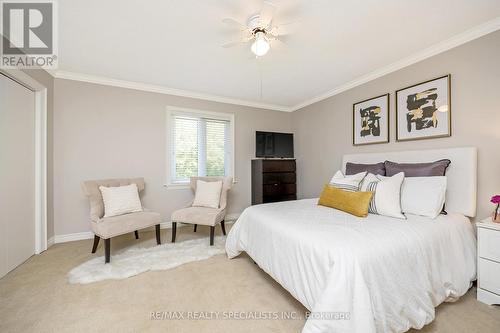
x=489 y=275
x=278 y=178
x=278 y=189
x=278 y=198
x=278 y=166
x=489 y=244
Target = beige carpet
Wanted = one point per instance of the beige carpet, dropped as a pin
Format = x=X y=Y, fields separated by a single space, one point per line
x=36 y=297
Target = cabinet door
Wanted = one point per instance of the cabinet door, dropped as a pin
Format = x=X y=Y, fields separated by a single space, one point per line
x=17 y=179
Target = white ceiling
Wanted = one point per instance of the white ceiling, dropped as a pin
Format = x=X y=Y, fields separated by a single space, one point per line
x=332 y=43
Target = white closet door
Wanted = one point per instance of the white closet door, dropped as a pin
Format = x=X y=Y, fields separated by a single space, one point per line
x=17 y=174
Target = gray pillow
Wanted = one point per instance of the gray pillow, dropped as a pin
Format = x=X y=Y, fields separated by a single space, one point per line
x=437 y=168
x=354 y=168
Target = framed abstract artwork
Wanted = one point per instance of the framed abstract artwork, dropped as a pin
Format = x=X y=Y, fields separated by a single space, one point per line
x=423 y=111
x=370 y=121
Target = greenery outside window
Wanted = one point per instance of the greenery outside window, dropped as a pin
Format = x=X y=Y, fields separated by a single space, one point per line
x=201 y=144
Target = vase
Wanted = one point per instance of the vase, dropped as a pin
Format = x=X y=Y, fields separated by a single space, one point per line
x=495 y=217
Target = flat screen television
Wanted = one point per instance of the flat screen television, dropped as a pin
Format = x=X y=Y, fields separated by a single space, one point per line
x=273 y=145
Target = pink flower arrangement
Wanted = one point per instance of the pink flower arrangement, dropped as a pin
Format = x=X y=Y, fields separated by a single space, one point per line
x=495 y=199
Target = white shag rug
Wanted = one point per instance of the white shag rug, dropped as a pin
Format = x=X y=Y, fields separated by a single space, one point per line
x=137 y=260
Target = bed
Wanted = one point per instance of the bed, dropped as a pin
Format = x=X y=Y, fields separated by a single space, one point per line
x=377 y=274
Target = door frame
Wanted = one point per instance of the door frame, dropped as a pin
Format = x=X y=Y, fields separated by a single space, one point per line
x=40 y=91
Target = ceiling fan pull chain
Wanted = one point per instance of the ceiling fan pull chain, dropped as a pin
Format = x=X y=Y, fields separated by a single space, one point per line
x=260 y=76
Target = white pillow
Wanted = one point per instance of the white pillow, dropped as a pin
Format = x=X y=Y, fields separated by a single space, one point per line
x=348 y=183
x=120 y=200
x=207 y=194
x=423 y=196
x=386 y=199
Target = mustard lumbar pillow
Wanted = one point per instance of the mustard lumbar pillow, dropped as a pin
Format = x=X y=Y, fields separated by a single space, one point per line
x=355 y=203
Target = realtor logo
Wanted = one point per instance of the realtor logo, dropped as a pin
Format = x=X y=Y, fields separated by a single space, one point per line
x=28 y=34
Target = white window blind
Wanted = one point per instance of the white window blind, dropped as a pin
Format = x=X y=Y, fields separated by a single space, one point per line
x=201 y=145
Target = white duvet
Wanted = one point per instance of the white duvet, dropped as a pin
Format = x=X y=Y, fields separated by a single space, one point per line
x=374 y=274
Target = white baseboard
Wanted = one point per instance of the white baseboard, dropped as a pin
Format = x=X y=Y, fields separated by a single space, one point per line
x=73 y=237
x=230 y=218
x=50 y=241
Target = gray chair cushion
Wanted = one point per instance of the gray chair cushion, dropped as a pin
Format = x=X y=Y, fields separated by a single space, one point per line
x=199 y=215
x=117 y=225
x=205 y=215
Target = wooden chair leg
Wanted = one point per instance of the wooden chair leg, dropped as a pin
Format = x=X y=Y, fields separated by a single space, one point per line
x=195 y=226
x=174 y=231
x=136 y=234
x=212 y=232
x=223 y=227
x=96 y=242
x=107 y=250
x=158 y=240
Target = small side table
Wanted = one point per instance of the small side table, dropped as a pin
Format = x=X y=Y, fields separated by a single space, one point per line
x=488 y=262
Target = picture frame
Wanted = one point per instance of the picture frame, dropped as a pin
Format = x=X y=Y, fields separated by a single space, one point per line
x=423 y=110
x=370 y=121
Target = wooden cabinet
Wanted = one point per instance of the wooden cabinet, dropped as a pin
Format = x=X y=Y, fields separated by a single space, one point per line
x=273 y=180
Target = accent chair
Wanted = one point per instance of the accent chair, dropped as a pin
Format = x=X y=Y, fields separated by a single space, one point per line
x=108 y=227
x=204 y=215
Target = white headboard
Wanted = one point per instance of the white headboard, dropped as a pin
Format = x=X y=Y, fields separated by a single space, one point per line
x=462 y=172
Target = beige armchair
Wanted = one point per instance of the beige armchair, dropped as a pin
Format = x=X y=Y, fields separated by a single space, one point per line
x=107 y=227
x=204 y=215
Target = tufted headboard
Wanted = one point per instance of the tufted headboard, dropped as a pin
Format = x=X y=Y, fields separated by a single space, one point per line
x=461 y=174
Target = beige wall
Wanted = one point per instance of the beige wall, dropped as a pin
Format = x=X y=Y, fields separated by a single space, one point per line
x=103 y=132
x=99 y=131
x=324 y=129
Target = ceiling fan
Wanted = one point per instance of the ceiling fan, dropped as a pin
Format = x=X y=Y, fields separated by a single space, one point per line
x=259 y=30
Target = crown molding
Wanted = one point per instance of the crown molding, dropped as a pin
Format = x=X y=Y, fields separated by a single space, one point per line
x=163 y=90
x=457 y=40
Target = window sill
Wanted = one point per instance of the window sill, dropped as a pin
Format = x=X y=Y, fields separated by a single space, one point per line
x=184 y=186
x=176 y=186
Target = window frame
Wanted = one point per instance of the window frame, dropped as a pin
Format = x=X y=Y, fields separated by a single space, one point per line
x=172 y=111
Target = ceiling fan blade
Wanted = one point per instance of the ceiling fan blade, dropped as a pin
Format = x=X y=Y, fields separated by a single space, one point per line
x=267 y=13
x=284 y=28
x=233 y=23
x=245 y=38
x=274 y=31
x=281 y=38
x=284 y=24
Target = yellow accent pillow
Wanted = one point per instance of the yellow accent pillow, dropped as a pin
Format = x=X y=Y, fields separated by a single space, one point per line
x=355 y=203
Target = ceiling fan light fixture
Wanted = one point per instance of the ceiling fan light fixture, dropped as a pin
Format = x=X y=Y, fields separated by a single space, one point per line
x=261 y=45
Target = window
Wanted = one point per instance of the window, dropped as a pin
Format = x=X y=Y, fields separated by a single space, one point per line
x=200 y=144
